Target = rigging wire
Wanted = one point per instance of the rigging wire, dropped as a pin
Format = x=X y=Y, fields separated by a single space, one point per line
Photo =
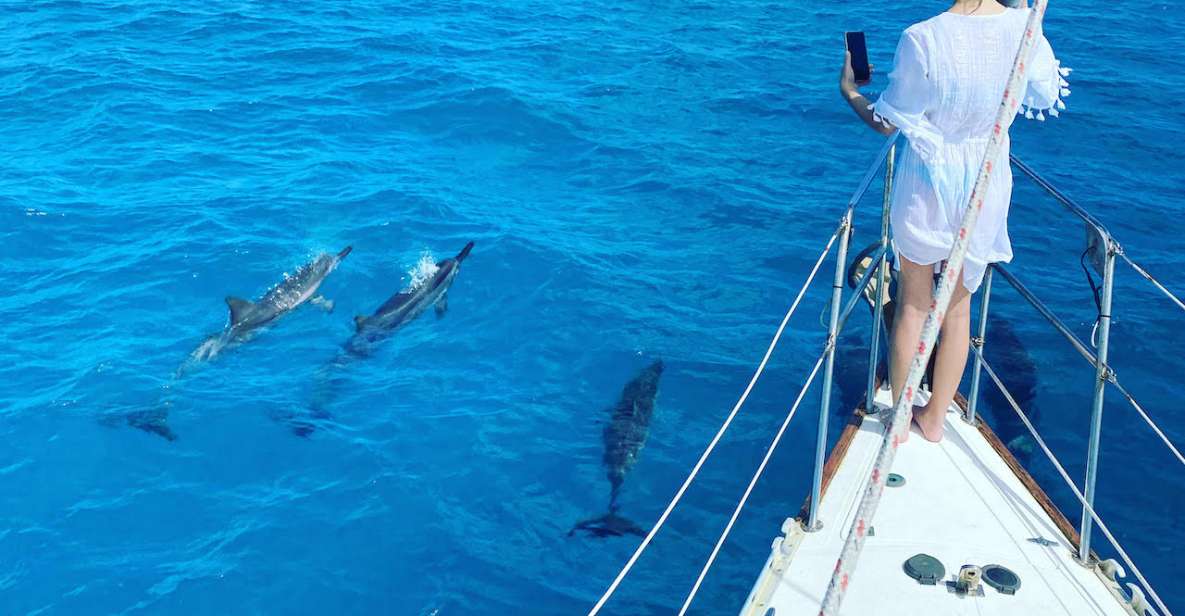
x=769 y=452
x=1073 y=487
x=843 y=228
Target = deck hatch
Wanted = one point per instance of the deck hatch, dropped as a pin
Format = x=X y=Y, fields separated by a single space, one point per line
x=1001 y=578
x=925 y=569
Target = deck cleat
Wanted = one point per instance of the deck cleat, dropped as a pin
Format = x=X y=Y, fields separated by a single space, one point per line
x=966 y=583
x=1112 y=569
x=1138 y=603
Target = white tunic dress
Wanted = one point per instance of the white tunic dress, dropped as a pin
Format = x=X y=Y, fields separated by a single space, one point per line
x=948 y=77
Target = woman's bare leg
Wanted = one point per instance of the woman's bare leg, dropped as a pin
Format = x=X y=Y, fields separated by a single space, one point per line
x=949 y=365
x=915 y=291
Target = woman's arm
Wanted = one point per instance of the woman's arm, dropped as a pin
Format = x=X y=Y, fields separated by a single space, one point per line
x=859 y=103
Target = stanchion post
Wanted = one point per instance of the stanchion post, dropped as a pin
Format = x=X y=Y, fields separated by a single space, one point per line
x=832 y=339
x=1102 y=374
x=878 y=310
x=978 y=341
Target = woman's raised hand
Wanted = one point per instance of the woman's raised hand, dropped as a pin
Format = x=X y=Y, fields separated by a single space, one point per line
x=847 y=77
x=851 y=93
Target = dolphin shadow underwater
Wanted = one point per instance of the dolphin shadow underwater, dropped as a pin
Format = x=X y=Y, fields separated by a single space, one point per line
x=399 y=310
x=1004 y=347
x=247 y=319
x=624 y=436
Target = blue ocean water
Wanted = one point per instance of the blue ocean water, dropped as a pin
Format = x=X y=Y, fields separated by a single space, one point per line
x=641 y=180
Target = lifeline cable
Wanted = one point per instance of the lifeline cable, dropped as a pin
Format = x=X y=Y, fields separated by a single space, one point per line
x=769 y=452
x=1070 y=482
x=1141 y=271
x=719 y=433
x=902 y=410
x=1147 y=419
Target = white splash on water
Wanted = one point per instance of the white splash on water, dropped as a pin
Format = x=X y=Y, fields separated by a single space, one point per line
x=423 y=270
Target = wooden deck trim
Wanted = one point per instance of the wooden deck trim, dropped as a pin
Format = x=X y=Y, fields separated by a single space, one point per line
x=834 y=459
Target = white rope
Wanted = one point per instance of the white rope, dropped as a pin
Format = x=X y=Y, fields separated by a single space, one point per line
x=1139 y=270
x=1151 y=424
x=902 y=409
x=753 y=482
x=719 y=433
x=1062 y=471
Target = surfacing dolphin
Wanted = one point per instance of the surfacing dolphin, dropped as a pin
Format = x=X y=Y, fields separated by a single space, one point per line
x=405 y=306
x=624 y=436
x=398 y=310
x=246 y=319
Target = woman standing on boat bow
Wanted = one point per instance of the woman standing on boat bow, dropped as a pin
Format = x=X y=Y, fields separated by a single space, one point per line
x=949 y=74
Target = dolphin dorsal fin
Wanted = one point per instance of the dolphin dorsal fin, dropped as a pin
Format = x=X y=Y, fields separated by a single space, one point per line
x=238 y=307
x=359 y=321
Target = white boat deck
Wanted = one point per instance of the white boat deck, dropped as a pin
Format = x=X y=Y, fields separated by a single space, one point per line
x=960 y=503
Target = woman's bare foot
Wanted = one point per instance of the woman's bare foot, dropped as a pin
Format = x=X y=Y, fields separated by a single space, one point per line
x=916 y=409
x=931 y=422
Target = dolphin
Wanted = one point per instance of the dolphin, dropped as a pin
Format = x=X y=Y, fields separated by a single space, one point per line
x=624 y=436
x=405 y=306
x=398 y=310
x=246 y=319
x=1004 y=347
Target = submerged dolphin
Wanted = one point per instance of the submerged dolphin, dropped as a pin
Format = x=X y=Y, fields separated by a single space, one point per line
x=406 y=305
x=629 y=425
x=1004 y=347
x=246 y=319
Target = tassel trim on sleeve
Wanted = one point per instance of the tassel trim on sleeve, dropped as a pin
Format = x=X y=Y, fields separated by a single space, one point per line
x=1031 y=112
x=924 y=139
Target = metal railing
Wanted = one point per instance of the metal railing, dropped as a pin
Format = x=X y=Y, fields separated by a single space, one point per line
x=1104 y=374
x=839 y=314
x=884 y=157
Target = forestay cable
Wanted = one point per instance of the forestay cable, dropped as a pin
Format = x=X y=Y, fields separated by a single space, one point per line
x=902 y=410
x=719 y=433
x=1073 y=487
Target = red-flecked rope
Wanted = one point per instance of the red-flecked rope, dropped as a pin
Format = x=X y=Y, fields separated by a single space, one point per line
x=902 y=410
